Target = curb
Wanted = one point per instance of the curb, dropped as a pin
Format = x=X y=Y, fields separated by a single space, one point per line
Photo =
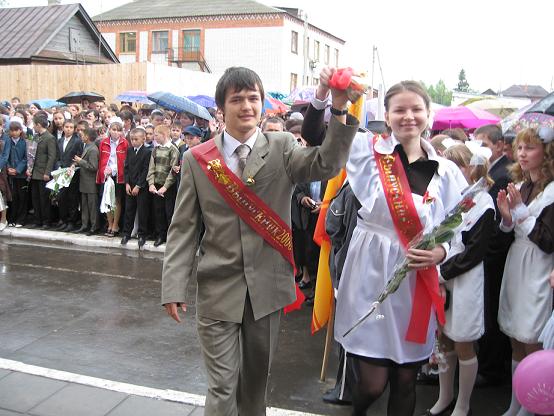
x=59 y=237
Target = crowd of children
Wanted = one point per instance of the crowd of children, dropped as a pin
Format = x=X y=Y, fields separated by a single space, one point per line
x=140 y=151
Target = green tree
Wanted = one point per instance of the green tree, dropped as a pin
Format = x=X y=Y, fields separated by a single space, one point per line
x=439 y=93
x=463 y=85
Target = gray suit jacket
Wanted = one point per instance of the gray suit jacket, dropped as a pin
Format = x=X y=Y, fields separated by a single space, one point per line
x=45 y=157
x=234 y=259
x=89 y=166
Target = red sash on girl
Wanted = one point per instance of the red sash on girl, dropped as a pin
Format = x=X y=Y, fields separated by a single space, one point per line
x=248 y=206
x=407 y=224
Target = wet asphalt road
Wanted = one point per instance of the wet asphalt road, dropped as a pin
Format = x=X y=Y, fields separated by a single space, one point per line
x=96 y=312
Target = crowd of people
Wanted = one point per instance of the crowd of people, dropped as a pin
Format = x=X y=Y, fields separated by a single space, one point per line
x=494 y=276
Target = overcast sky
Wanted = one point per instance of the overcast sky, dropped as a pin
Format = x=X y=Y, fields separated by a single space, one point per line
x=497 y=42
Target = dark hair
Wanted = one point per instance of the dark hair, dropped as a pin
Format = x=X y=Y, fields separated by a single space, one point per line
x=15 y=125
x=412 y=86
x=91 y=134
x=492 y=131
x=37 y=105
x=83 y=123
x=24 y=113
x=456 y=134
x=41 y=120
x=126 y=115
x=70 y=121
x=187 y=115
x=137 y=130
x=177 y=124
x=237 y=79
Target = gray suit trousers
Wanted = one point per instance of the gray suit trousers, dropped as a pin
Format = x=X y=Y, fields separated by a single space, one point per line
x=238 y=358
x=89 y=210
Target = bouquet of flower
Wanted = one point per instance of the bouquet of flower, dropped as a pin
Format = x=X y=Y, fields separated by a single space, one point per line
x=107 y=204
x=61 y=179
x=31 y=153
x=442 y=233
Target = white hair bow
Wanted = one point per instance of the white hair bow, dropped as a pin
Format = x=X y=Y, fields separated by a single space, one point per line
x=546 y=134
x=481 y=154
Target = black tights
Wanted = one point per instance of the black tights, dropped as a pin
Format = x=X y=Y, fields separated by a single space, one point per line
x=370 y=380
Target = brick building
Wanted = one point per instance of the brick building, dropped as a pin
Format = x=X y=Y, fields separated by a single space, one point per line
x=212 y=35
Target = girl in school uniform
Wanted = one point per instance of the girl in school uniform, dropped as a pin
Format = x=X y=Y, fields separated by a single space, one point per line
x=462 y=275
x=390 y=351
x=527 y=209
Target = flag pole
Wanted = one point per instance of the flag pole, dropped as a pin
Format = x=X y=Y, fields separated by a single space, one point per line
x=328 y=340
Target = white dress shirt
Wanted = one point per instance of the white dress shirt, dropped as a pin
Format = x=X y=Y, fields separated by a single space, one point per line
x=230 y=144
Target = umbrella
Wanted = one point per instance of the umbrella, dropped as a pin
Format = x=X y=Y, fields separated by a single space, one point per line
x=463 y=117
x=48 y=103
x=501 y=107
x=75 y=97
x=179 y=104
x=545 y=105
x=203 y=100
x=134 y=97
x=534 y=120
x=301 y=94
x=272 y=105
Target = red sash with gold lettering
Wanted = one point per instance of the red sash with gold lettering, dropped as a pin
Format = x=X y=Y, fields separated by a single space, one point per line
x=407 y=224
x=248 y=206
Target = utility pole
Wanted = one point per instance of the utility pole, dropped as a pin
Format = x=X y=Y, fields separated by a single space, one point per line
x=373 y=69
x=305 y=57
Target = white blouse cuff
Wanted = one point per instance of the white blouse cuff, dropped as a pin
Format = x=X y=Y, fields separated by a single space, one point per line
x=319 y=104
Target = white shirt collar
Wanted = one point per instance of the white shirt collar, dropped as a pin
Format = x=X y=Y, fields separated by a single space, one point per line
x=230 y=144
x=386 y=146
x=169 y=143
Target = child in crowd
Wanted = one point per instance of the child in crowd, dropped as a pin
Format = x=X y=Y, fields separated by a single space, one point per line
x=161 y=181
x=463 y=277
x=149 y=132
x=14 y=163
x=4 y=186
x=58 y=118
x=136 y=187
x=81 y=127
x=113 y=151
x=88 y=162
x=175 y=133
x=193 y=137
x=527 y=211
x=69 y=146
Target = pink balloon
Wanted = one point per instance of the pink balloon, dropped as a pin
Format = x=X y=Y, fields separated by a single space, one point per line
x=533 y=382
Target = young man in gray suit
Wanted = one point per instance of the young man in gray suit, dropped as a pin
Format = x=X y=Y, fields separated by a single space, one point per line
x=243 y=282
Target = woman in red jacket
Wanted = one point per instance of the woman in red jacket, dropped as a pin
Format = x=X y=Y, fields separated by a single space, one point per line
x=113 y=150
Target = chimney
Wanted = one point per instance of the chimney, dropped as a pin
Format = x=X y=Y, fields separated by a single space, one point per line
x=54 y=2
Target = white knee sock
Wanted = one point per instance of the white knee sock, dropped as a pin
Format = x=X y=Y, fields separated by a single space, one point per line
x=514 y=404
x=467 y=375
x=446 y=383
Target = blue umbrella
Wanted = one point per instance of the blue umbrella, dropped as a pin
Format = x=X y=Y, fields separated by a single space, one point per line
x=179 y=104
x=134 y=97
x=203 y=100
x=48 y=103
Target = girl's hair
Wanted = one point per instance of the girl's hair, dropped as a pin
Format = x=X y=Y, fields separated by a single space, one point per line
x=436 y=142
x=14 y=125
x=403 y=86
x=54 y=127
x=461 y=156
x=116 y=124
x=161 y=129
x=70 y=121
x=530 y=136
x=24 y=113
x=456 y=134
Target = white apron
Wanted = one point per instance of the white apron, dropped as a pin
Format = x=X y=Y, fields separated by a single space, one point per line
x=465 y=319
x=375 y=249
x=525 y=295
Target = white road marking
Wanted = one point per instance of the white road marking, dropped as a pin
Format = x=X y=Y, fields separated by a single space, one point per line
x=126 y=388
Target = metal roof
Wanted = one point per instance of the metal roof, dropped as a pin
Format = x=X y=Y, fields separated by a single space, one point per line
x=148 y=9
x=528 y=91
x=26 y=31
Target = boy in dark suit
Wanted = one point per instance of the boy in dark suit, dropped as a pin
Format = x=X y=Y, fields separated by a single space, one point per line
x=69 y=145
x=88 y=163
x=136 y=187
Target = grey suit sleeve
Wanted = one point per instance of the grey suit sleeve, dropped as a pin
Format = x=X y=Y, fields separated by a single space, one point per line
x=309 y=164
x=52 y=155
x=182 y=242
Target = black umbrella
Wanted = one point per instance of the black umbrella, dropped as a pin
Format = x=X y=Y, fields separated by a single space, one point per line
x=76 y=97
x=544 y=105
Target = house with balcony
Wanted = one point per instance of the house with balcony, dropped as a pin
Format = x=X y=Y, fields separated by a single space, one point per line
x=280 y=44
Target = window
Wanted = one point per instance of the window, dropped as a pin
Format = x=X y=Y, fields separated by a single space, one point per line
x=327 y=54
x=191 y=40
x=316 y=50
x=337 y=58
x=128 y=42
x=294 y=42
x=293 y=81
x=159 y=41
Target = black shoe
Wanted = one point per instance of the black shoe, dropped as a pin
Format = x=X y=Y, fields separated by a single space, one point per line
x=69 y=228
x=427 y=379
x=309 y=301
x=298 y=277
x=159 y=242
x=125 y=240
x=482 y=381
x=81 y=230
x=305 y=285
x=141 y=241
x=34 y=226
x=331 y=396
x=446 y=411
x=45 y=227
x=92 y=232
x=61 y=227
